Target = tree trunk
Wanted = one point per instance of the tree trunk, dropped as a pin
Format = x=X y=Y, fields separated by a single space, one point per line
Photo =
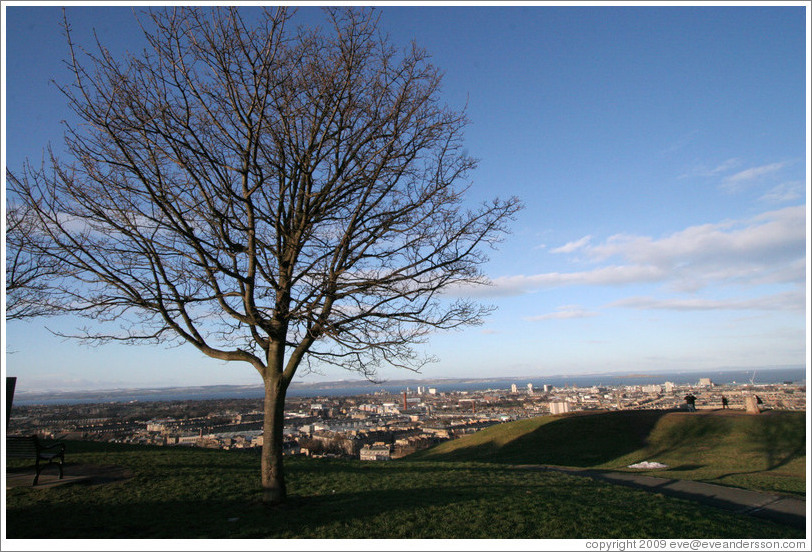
x=273 y=476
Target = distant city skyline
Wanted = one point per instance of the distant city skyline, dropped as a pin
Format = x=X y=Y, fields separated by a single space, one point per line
x=353 y=386
x=661 y=152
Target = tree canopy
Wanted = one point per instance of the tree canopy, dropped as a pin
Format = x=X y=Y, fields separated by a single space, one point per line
x=268 y=193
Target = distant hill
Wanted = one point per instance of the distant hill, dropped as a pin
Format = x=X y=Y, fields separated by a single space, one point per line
x=766 y=451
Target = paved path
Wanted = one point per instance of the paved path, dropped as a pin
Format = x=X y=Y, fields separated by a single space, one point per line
x=73 y=473
x=781 y=509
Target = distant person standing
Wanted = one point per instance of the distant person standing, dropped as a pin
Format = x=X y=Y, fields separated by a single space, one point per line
x=690 y=400
x=724 y=402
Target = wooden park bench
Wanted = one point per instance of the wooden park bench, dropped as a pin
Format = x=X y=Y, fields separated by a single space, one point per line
x=30 y=447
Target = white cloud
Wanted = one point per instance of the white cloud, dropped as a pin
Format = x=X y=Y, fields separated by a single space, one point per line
x=737 y=181
x=572 y=246
x=744 y=251
x=723 y=167
x=767 y=248
x=740 y=180
x=563 y=313
x=609 y=276
x=792 y=301
x=755 y=172
x=726 y=166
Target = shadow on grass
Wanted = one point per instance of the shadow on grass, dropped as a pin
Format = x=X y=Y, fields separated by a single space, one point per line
x=686 y=467
x=579 y=440
x=178 y=493
x=751 y=446
x=776 y=438
x=403 y=465
x=684 y=432
x=339 y=515
x=549 y=506
x=779 y=439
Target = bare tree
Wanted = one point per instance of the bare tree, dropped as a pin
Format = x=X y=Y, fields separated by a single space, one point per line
x=28 y=271
x=276 y=196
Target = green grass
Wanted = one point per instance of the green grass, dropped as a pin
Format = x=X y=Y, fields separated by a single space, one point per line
x=198 y=493
x=765 y=452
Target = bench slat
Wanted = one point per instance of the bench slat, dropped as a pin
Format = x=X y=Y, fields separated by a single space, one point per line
x=21 y=447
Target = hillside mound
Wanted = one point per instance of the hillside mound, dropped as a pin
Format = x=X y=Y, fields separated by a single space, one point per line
x=765 y=452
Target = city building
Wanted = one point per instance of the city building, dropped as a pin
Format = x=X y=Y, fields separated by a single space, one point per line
x=376 y=452
x=560 y=407
x=383 y=424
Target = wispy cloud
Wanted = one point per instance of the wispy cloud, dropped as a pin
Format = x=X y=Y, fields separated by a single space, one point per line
x=733 y=182
x=572 y=246
x=680 y=143
x=563 y=313
x=721 y=168
x=788 y=191
x=755 y=172
x=606 y=276
x=738 y=181
x=791 y=300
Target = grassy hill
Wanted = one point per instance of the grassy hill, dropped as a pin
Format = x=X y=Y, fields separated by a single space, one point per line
x=765 y=452
x=199 y=493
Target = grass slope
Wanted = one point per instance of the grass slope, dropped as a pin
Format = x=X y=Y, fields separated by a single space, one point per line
x=765 y=452
x=198 y=493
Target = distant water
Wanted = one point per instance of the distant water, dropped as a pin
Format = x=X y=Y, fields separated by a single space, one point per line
x=793 y=375
x=779 y=375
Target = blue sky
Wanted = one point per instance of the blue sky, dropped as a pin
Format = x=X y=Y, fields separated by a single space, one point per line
x=660 y=152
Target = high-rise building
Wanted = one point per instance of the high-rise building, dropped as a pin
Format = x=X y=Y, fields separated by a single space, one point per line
x=514 y=388
x=559 y=407
x=530 y=388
